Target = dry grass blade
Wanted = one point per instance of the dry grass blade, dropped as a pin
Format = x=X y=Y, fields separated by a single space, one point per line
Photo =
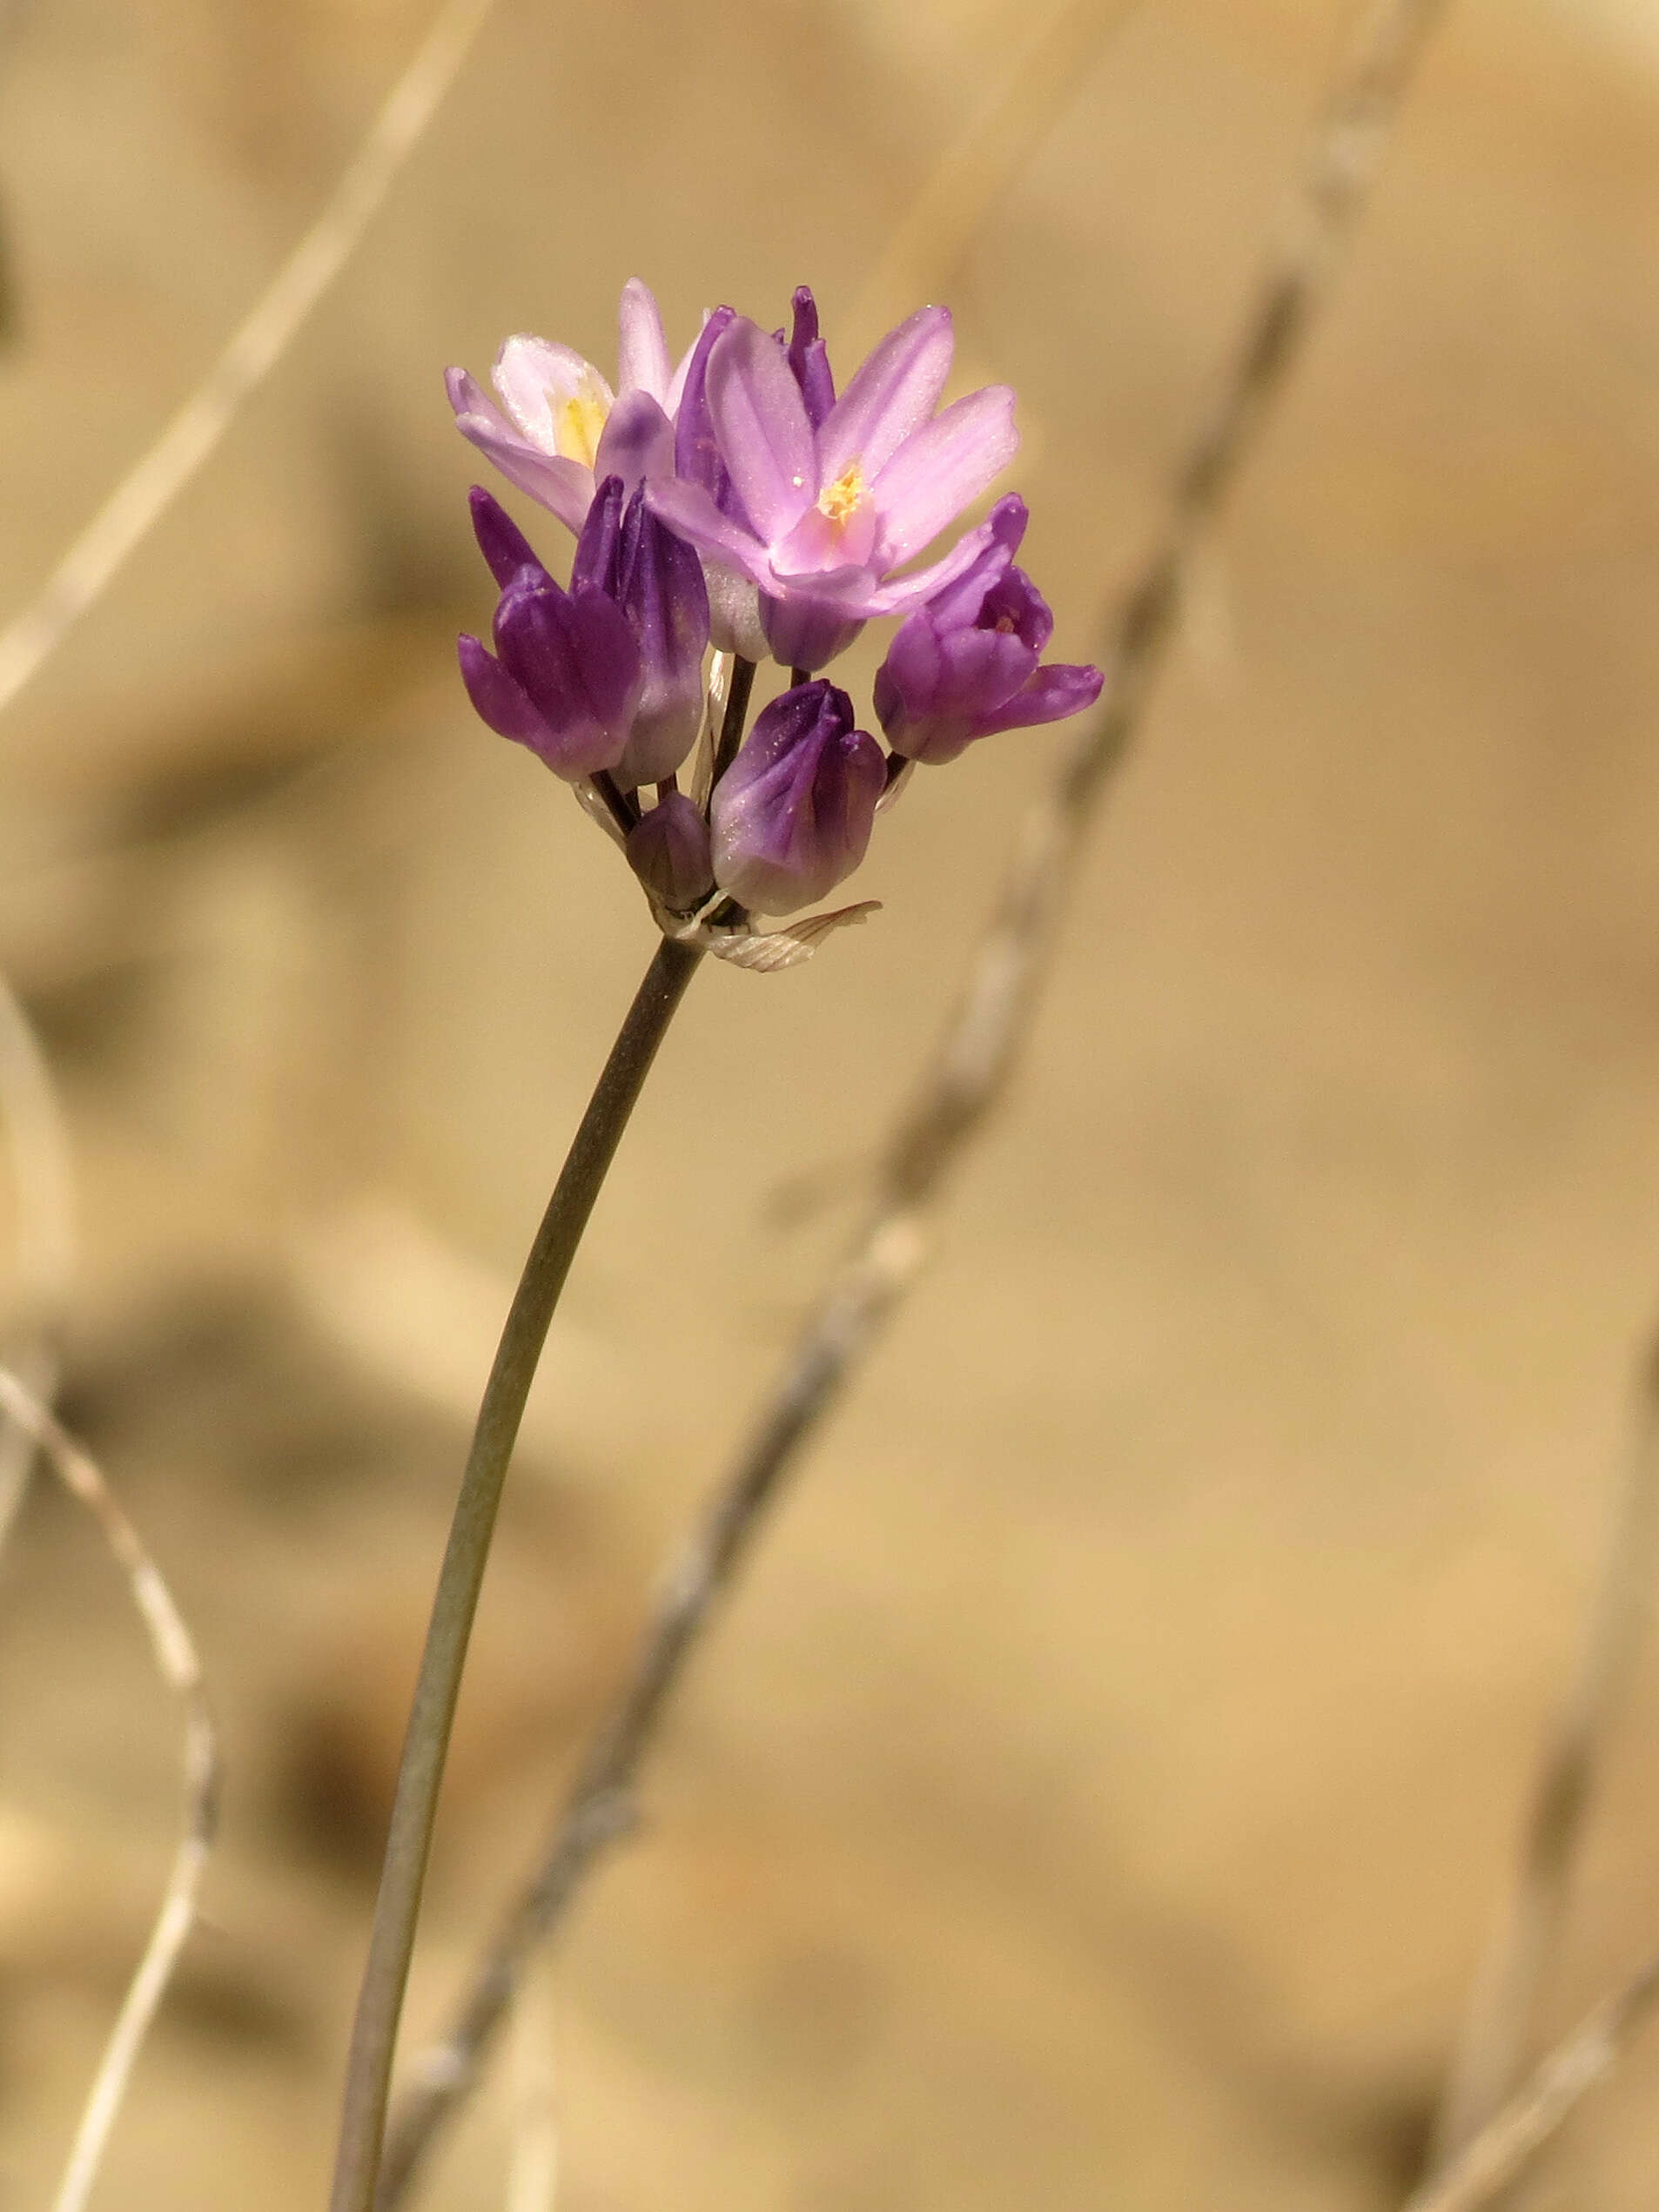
x=144 y=495
x=1493 y=2045
x=43 y=1185
x=180 y=1670
x=1492 y=2159
x=970 y=1071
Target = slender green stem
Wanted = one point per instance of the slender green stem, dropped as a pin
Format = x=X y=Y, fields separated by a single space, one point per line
x=391 y=1942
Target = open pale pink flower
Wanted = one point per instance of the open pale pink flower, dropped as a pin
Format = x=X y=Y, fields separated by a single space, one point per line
x=564 y=430
x=829 y=512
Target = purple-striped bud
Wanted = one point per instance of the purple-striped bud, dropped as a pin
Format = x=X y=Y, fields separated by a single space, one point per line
x=662 y=595
x=808 y=358
x=500 y=538
x=565 y=677
x=792 y=815
x=668 y=850
x=965 y=664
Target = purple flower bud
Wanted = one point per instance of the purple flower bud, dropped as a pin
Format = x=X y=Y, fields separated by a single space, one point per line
x=662 y=595
x=668 y=850
x=500 y=538
x=792 y=815
x=808 y=358
x=966 y=665
x=567 y=679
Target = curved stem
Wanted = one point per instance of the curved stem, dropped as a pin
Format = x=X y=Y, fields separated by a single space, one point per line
x=427 y=1742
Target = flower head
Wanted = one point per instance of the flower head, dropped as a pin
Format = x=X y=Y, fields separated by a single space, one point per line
x=564 y=430
x=792 y=815
x=823 y=508
x=965 y=664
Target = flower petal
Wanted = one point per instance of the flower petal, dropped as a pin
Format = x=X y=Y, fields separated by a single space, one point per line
x=1053 y=693
x=943 y=468
x=690 y=514
x=532 y=374
x=892 y=395
x=761 y=422
x=642 y=350
x=500 y=538
x=564 y=486
x=497 y=699
x=637 y=442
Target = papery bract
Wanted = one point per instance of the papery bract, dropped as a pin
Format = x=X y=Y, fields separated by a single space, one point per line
x=792 y=815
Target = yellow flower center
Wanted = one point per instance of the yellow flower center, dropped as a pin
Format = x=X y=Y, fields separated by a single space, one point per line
x=840 y=502
x=579 y=420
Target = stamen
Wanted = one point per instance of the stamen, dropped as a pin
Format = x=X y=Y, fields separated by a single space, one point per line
x=579 y=420
x=840 y=502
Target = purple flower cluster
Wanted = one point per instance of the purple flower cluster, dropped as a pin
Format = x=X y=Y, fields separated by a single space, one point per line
x=737 y=499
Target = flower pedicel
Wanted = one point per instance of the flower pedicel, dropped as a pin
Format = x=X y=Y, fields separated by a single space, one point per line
x=736 y=499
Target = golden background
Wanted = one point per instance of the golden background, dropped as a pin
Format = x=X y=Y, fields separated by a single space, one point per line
x=1100 y=1791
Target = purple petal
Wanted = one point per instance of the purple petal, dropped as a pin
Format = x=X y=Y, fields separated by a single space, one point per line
x=1052 y=693
x=760 y=423
x=1013 y=603
x=497 y=699
x=608 y=656
x=807 y=633
x=892 y=395
x=666 y=604
x=943 y=468
x=641 y=351
x=809 y=359
x=598 y=559
x=690 y=514
x=637 y=442
x=696 y=451
x=961 y=603
x=500 y=538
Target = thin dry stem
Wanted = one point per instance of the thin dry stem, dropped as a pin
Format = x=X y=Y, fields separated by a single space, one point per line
x=143 y=496
x=43 y=1185
x=1503 y=2004
x=1492 y=2159
x=971 y=1069
x=179 y=1668
x=533 y=2177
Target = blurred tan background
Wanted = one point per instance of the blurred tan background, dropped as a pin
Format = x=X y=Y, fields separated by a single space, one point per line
x=1099 y=1793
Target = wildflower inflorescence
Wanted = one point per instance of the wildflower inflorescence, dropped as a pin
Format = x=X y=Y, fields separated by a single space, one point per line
x=735 y=501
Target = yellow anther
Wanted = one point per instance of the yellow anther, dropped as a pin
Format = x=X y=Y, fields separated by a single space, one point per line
x=578 y=420
x=840 y=502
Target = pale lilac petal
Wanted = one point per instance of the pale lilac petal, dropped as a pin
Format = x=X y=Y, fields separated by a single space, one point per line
x=637 y=442
x=892 y=395
x=563 y=485
x=816 y=543
x=902 y=594
x=808 y=634
x=672 y=397
x=761 y=421
x=531 y=373
x=962 y=601
x=689 y=512
x=643 y=350
x=943 y=468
